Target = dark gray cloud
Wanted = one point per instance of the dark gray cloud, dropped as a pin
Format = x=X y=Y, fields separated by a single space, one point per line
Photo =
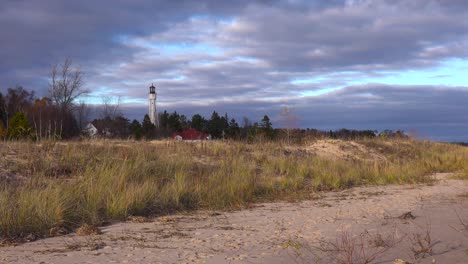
x=250 y=57
x=37 y=34
x=361 y=36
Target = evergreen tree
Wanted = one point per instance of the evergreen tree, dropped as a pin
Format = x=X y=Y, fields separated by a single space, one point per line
x=233 y=130
x=266 y=124
x=174 y=123
x=267 y=127
x=224 y=124
x=198 y=122
x=147 y=127
x=121 y=127
x=215 y=125
x=136 y=129
x=184 y=123
x=19 y=127
x=164 y=120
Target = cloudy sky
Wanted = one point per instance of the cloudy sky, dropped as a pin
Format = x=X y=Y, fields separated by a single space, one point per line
x=364 y=64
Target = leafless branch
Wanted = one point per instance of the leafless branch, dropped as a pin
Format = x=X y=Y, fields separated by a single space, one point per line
x=66 y=84
x=110 y=107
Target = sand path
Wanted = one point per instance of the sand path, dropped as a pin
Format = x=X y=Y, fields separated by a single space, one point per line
x=313 y=231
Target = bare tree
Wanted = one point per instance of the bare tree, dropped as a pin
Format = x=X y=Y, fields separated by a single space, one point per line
x=17 y=100
x=82 y=114
x=246 y=122
x=66 y=84
x=110 y=107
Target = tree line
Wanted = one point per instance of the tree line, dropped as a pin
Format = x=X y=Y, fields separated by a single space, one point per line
x=22 y=115
x=59 y=116
x=218 y=126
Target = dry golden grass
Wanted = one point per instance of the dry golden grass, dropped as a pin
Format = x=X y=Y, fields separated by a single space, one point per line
x=72 y=184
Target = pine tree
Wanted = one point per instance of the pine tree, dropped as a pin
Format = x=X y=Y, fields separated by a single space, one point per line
x=164 y=120
x=136 y=129
x=19 y=127
x=147 y=127
x=198 y=122
x=267 y=127
x=215 y=125
x=184 y=124
x=174 y=123
x=233 y=130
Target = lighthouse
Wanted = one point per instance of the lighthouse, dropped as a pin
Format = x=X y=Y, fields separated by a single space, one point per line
x=152 y=105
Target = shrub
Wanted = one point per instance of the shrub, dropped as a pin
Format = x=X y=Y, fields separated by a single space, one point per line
x=19 y=127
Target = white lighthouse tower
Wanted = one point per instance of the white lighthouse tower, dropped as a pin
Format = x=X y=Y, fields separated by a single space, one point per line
x=152 y=105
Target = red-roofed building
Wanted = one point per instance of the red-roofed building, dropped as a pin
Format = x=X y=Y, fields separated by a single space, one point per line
x=191 y=134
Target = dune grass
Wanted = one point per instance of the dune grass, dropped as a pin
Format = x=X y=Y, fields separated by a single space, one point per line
x=70 y=184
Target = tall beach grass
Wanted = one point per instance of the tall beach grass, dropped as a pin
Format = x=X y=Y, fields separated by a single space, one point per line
x=68 y=184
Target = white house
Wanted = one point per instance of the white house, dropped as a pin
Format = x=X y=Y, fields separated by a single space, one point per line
x=90 y=130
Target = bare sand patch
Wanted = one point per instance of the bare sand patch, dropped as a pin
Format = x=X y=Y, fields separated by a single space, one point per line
x=341 y=150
